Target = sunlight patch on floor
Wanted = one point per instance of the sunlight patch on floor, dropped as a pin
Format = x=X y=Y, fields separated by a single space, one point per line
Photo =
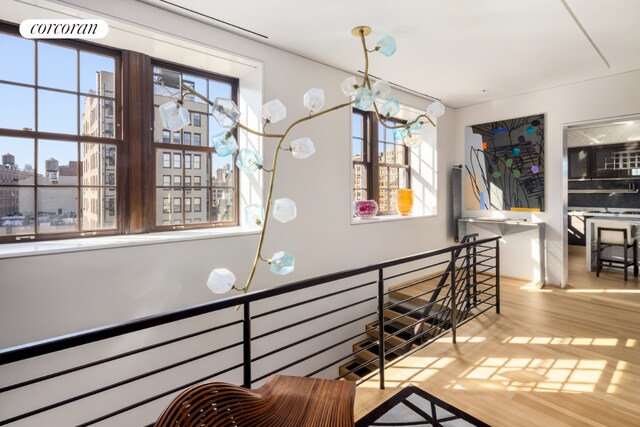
x=537 y=375
x=610 y=342
x=460 y=339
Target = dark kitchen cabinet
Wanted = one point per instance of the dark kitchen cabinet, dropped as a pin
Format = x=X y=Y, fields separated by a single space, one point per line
x=578 y=163
x=603 y=161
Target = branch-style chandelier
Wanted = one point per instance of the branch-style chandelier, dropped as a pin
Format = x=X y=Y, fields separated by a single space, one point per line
x=364 y=95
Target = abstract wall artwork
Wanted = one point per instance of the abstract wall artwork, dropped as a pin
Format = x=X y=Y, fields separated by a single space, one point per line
x=505 y=165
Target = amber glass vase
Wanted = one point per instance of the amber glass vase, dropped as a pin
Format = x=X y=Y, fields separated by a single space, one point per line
x=404 y=201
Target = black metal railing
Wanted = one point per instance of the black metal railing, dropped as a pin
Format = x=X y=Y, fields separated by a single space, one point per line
x=277 y=330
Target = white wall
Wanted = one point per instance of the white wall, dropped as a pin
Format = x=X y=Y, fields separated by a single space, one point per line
x=595 y=99
x=49 y=295
x=54 y=294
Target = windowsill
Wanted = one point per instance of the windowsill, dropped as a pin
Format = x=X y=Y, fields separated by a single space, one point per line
x=16 y=250
x=388 y=218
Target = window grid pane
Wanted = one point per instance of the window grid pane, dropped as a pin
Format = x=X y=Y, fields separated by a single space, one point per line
x=71 y=186
x=208 y=182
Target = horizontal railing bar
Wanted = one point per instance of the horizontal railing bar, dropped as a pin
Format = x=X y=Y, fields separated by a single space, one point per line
x=484 y=282
x=485 y=249
x=257 y=316
x=478 y=313
x=342 y=358
x=408 y=313
x=362 y=365
x=116 y=357
x=399 y=331
x=49 y=345
x=416 y=270
x=415 y=282
x=397 y=303
x=310 y=356
x=309 y=319
x=116 y=384
x=418 y=347
x=482 y=245
x=438 y=326
x=158 y=396
x=485 y=270
x=485 y=261
x=308 y=338
x=414 y=338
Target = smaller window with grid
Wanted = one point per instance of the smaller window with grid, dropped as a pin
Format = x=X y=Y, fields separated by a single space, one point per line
x=380 y=164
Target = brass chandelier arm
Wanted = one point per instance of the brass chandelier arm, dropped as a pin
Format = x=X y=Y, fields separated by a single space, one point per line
x=272 y=180
x=365 y=78
x=366 y=82
x=240 y=125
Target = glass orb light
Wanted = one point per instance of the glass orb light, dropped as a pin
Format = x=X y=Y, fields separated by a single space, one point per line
x=174 y=116
x=400 y=133
x=254 y=215
x=435 y=110
x=413 y=139
x=364 y=98
x=284 y=210
x=274 y=111
x=416 y=127
x=249 y=161
x=381 y=89
x=386 y=45
x=302 y=148
x=282 y=263
x=221 y=281
x=314 y=100
x=390 y=108
x=349 y=86
x=226 y=112
x=224 y=143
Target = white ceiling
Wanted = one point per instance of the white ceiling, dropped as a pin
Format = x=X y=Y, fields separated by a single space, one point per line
x=452 y=50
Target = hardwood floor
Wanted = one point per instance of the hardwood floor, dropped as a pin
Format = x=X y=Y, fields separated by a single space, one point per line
x=554 y=357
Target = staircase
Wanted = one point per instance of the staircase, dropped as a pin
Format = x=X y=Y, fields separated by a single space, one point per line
x=417 y=311
x=402 y=317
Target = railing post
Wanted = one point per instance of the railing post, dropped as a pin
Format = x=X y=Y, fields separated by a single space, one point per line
x=453 y=295
x=475 y=273
x=381 y=349
x=467 y=273
x=498 y=276
x=246 y=346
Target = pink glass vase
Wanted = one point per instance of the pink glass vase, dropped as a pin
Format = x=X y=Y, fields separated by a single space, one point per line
x=365 y=209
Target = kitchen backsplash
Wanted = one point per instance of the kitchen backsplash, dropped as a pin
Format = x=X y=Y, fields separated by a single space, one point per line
x=604 y=200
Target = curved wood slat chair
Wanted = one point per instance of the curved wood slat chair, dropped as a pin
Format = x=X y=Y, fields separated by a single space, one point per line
x=283 y=401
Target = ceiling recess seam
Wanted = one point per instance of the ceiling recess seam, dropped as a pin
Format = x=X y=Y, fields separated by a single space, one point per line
x=237 y=27
x=584 y=31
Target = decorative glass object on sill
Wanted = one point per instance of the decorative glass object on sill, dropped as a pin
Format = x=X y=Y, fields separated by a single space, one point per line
x=404 y=201
x=226 y=112
x=365 y=209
